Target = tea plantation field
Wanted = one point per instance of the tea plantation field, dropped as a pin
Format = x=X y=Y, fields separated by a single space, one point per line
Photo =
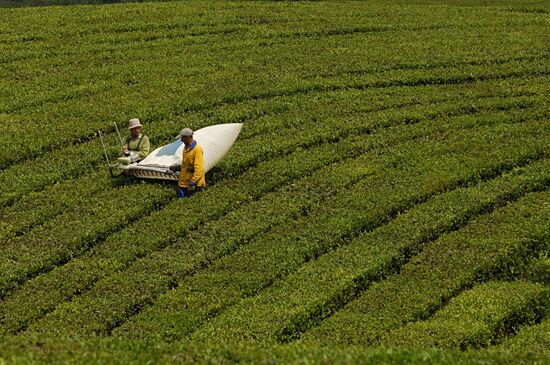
x=387 y=200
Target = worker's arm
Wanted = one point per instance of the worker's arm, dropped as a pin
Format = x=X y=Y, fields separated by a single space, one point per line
x=198 y=167
x=144 y=148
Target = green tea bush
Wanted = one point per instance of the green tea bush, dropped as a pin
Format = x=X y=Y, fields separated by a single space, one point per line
x=75 y=160
x=390 y=122
x=80 y=100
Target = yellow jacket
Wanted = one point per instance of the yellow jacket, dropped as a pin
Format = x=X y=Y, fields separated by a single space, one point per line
x=192 y=166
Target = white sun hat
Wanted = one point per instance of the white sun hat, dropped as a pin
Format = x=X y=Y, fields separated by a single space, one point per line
x=133 y=123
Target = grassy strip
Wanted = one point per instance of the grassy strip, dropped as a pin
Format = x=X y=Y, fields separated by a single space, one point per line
x=491 y=244
x=321 y=287
x=476 y=317
x=274 y=254
x=33 y=3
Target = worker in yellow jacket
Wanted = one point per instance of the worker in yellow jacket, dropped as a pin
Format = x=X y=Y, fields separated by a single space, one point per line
x=191 y=177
